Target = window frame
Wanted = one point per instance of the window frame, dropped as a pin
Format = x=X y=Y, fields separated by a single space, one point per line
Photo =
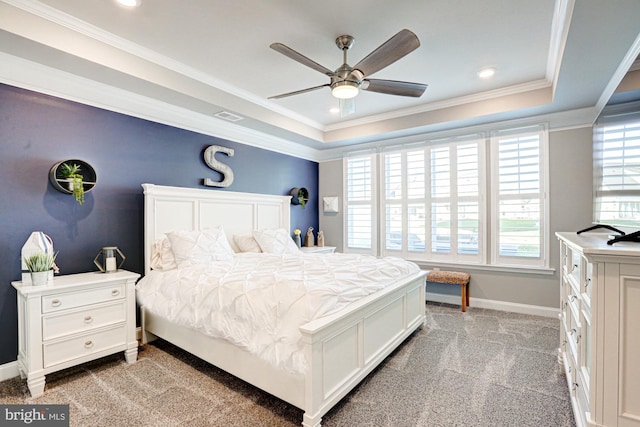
x=488 y=203
x=542 y=260
x=373 y=202
x=453 y=199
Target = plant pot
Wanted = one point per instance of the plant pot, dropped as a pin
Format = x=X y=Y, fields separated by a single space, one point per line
x=39 y=278
x=296 y=193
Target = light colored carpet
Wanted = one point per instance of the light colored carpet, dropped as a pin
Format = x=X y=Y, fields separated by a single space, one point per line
x=479 y=368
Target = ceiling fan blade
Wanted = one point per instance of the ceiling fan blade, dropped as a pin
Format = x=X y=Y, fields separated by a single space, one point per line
x=389 y=52
x=298 y=92
x=287 y=51
x=393 y=87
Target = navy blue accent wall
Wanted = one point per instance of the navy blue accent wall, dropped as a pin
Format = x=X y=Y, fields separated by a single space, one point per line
x=37 y=131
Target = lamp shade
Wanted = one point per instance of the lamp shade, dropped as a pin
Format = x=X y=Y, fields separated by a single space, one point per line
x=345 y=90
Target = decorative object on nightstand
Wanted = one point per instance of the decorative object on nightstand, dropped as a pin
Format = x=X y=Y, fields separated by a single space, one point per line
x=296 y=235
x=108 y=254
x=299 y=196
x=309 y=240
x=37 y=243
x=39 y=266
x=73 y=177
x=320 y=239
x=75 y=319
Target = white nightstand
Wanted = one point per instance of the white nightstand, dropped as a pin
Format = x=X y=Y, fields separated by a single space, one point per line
x=74 y=319
x=318 y=249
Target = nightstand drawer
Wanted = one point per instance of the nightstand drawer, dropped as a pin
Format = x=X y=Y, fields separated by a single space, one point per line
x=83 y=345
x=67 y=323
x=51 y=303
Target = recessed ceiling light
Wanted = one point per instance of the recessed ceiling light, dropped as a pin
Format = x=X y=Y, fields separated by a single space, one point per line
x=486 y=72
x=129 y=3
x=334 y=110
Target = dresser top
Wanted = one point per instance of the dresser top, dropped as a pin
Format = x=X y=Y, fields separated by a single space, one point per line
x=596 y=244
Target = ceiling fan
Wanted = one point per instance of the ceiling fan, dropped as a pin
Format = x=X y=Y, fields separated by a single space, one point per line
x=346 y=81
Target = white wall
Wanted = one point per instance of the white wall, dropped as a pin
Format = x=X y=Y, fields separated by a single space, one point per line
x=570 y=198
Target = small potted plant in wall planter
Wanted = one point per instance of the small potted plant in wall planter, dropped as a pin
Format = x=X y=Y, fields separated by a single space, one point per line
x=73 y=176
x=71 y=173
x=39 y=265
x=299 y=196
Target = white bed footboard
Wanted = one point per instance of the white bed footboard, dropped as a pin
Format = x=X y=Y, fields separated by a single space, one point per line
x=344 y=348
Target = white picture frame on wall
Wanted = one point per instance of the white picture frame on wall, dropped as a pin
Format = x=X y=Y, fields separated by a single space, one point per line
x=330 y=204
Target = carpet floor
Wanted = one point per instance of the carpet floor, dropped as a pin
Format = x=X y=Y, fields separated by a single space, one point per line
x=479 y=368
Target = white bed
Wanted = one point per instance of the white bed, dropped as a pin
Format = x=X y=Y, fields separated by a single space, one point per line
x=340 y=349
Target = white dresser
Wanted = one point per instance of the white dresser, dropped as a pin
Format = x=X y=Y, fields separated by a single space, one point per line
x=74 y=319
x=600 y=333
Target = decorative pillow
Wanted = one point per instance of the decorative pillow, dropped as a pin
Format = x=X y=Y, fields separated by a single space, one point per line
x=276 y=241
x=246 y=243
x=162 y=256
x=200 y=247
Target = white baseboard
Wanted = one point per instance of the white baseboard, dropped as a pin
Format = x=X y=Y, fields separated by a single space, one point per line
x=512 y=307
x=8 y=371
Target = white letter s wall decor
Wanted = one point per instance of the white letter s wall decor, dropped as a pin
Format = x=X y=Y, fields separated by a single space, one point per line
x=225 y=170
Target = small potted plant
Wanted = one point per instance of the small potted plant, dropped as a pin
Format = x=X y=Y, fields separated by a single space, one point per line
x=71 y=173
x=39 y=265
x=299 y=196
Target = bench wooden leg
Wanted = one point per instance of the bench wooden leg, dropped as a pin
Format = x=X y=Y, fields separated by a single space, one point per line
x=464 y=297
x=467 y=292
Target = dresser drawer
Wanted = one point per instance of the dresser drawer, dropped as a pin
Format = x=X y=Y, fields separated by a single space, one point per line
x=83 y=345
x=96 y=316
x=64 y=301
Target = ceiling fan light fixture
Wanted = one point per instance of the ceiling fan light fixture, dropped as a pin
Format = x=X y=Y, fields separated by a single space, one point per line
x=345 y=90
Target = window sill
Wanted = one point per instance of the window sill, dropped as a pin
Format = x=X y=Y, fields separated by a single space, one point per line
x=519 y=269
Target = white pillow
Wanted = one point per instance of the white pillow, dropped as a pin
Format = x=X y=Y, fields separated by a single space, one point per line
x=200 y=247
x=162 y=256
x=276 y=241
x=246 y=243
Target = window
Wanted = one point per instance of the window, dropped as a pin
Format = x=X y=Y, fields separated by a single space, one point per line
x=617 y=170
x=431 y=197
x=519 y=208
x=360 y=208
x=459 y=200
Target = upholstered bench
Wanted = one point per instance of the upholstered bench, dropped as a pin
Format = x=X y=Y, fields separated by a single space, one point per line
x=452 y=278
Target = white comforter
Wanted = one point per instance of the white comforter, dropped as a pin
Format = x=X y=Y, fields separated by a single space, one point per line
x=258 y=301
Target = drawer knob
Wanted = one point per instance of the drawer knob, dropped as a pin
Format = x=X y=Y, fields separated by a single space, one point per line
x=88 y=344
x=88 y=319
x=587 y=283
x=115 y=292
x=572 y=298
x=56 y=303
x=574 y=267
x=575 y=387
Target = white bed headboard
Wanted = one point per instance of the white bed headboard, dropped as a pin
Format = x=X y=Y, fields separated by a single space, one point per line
x=175 y=208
